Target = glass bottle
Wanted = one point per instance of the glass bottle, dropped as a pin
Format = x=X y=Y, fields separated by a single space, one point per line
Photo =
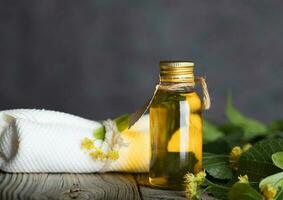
x=175 y=126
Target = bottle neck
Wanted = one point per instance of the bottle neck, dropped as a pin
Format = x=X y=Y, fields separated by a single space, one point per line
x=177 y=86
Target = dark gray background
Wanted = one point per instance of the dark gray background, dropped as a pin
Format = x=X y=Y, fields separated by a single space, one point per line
x=99 y=59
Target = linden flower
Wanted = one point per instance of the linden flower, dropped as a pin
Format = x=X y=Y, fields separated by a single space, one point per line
x=99 y=150
x=243 y=179
x=200 y=177
x=98 y=155
x=106 y=149
x=234 y=157
x=192 y=184
x=192 y=191
x=235 y=154
x=87 y=144
x=246 y=147
x=268 y=191
x=113 y=155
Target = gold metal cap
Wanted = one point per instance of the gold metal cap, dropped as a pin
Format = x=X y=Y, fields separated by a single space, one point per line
x=177 y=71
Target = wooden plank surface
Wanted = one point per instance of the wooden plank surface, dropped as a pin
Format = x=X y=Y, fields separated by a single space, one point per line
x=149 y=193
x=68 y=186
x=82 y=186
x=156 y=194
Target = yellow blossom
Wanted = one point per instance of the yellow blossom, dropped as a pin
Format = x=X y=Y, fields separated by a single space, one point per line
x=113 y=155
x=97 y=155
x=192 y=184
x=243 y=179
x=189 y=177
x=236 y=152
x=192 y=191
x=87 y=144
x=246 y=147
x=269 y=191
x=234 y=157
x=199 y=178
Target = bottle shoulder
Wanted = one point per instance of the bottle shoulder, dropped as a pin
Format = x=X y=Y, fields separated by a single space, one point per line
x=165 y=98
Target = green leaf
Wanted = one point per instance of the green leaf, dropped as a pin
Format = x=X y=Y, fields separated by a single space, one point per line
x=277 y=134
x=229 y=128
x=219 y=191
x=224 y=144
x=243 y=191
x=275 y=180
x=233 y=139
x=257 y=163
x=99 y=133
x=279 y=195
x=217 y=165
x=251 y=127
x=276 y=126
x=122 y=122
x=210 y=132
x=277 y=159
x=218 y=147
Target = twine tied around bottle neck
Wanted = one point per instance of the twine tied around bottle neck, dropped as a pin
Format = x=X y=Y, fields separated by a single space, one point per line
x=206 y=103
x=206 y=98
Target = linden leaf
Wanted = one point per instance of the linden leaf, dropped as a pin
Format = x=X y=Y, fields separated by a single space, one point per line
x=251 y=127
x=224 y=144
x=99 y=133
x=122 y=122
x=257 y=163
x=229 y=128
x=244 y=191
x=277 y=159
x=210 y=132
x=279 y=195
x=217 y=165
x=276 y=126
x=275 y=180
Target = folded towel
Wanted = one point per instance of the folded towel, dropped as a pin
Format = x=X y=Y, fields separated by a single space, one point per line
x=48 y=141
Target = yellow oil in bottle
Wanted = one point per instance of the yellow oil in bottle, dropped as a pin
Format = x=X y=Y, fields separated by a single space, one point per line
x=176 y=137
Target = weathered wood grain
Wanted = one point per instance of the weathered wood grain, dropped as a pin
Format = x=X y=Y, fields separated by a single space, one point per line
x=82 y=186
x=68 y=186
x=149 y=193
x=155 y=194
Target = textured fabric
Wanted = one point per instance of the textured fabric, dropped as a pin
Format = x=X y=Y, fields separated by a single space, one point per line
x=49 y=141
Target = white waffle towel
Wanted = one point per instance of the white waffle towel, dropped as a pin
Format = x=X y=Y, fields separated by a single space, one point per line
x=48 y=141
